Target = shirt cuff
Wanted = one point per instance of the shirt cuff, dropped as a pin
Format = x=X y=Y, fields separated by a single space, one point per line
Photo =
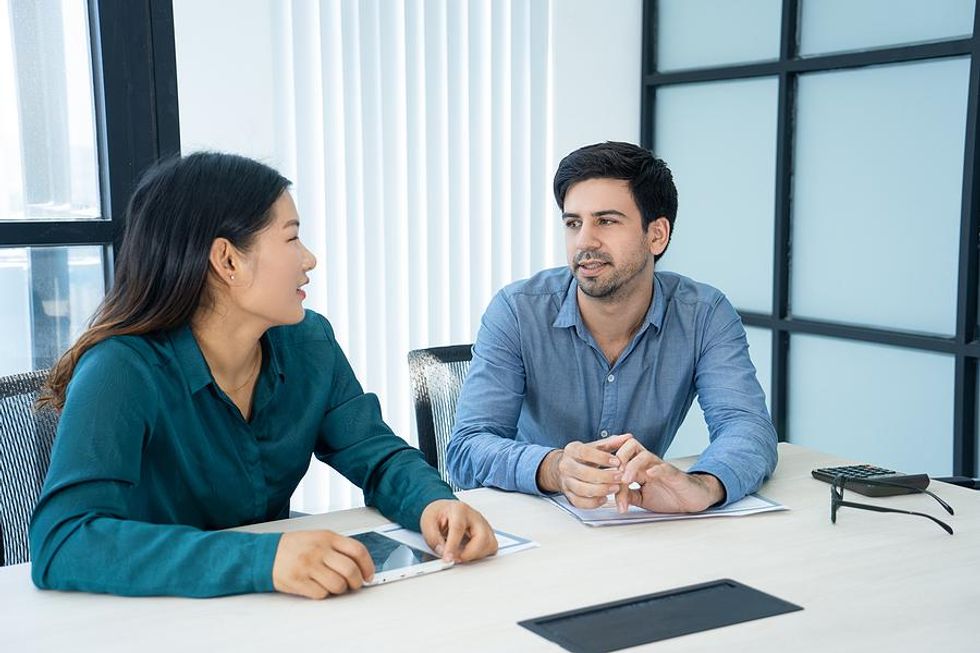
x=527 y=468
x=734 y=491
x=263 y=558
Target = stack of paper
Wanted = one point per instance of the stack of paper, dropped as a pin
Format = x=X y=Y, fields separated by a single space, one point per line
x=607 y=515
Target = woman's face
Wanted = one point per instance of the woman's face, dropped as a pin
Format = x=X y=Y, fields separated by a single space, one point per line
x=274 y=269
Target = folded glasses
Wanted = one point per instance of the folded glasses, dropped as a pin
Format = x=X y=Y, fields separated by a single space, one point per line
x=837 y=501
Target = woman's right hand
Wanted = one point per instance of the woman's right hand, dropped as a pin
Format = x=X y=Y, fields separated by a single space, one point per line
x=317 y=564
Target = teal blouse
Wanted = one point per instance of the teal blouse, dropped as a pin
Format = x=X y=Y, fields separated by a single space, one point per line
x=152 y=459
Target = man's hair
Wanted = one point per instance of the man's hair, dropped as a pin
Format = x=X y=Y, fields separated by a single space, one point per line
x=650 y=180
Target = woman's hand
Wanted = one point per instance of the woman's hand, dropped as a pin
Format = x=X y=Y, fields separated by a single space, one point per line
x=456 y=531
x=317 y=564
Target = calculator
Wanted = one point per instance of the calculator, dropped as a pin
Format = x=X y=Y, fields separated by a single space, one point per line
x=854 y=474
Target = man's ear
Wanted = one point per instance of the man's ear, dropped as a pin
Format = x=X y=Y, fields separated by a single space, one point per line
x=658 y=235
x=225 y=261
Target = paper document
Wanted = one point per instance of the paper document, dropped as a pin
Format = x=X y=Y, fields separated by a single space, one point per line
x=506 y=543
x=607 y=515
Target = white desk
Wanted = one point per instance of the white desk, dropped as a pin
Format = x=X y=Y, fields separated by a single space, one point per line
x=874 y=580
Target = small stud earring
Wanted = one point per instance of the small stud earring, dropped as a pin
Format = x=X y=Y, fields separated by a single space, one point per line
x=232 y=277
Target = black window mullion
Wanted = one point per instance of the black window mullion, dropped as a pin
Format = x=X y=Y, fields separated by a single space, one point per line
x=782 y=237
x=883 y=56
x=135 y=41
x=965 y=396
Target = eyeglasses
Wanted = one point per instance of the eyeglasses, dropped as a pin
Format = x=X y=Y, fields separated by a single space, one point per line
x=837 y=501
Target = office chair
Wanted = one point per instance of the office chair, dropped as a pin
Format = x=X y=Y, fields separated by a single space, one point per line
x=26 y=437
x=437 y=377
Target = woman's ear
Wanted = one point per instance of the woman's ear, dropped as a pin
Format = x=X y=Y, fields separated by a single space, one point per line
x=226 y=261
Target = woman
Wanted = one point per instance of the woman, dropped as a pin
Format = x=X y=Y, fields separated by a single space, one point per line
x=193 y=403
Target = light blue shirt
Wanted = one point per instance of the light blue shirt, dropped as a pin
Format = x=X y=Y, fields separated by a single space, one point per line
x=538 y=381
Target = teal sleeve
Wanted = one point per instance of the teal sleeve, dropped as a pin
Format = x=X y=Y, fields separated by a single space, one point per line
x=355 y=441
x=85 y=533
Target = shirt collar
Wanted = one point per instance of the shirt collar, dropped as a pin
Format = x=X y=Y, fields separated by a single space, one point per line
x=190 y=359
x=569 y=315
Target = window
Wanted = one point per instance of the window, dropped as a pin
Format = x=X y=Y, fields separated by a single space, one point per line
x=88 y=101
x=830 y=189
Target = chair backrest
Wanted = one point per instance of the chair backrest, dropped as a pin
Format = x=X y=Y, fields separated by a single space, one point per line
x=437 y=377
x=26 y=437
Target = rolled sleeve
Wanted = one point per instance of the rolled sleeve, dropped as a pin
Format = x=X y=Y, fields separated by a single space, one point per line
x=742 y=453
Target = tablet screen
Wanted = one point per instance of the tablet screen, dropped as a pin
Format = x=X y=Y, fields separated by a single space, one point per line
x=389 y=554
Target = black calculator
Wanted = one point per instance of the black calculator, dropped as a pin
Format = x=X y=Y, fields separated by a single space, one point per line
x=854 y=474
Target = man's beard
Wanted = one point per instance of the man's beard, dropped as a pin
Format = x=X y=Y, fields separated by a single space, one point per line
x=609 y=288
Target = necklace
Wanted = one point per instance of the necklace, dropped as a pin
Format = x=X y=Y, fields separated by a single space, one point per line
x=255 y=367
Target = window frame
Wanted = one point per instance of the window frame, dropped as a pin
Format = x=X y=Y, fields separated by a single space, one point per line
x=134 y=77
x=964 y=346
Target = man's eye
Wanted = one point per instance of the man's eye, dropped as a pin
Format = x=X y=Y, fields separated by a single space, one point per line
x=572 y=224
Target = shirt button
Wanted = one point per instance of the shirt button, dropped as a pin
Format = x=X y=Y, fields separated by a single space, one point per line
x=603 y=433
x=611 y=378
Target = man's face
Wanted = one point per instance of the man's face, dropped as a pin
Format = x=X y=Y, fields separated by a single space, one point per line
x=608 y=250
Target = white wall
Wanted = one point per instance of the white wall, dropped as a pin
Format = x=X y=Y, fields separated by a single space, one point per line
x=597 y=72
x=227 y=77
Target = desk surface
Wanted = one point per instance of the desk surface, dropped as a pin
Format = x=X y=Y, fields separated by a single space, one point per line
x=876 y=580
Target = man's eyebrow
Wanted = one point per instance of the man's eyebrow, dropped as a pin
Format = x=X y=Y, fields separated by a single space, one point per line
x=606 y=212
x=597 y=214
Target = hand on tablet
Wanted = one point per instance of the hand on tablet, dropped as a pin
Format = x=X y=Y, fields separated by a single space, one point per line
x=318 y=564
x=456 y=531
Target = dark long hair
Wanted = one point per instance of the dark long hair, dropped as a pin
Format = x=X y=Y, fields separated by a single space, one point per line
x=179 y=207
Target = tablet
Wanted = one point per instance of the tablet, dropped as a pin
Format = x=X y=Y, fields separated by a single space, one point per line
x=394 y=560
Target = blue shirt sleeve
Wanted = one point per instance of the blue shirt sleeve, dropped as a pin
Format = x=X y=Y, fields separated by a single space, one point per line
x=742 y=453
x=84 y=534
x=483 y=450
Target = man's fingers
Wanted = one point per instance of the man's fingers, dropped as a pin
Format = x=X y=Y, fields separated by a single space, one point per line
x=612 y=443
x=623 y=498
x=589 y=454
x=589 y=490
x=586 y=503
x=589 y=474
x=633 y=471
x=636 y=498
x=629 y=450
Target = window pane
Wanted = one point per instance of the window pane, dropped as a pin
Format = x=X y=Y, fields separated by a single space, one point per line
x=719 y=140
x=48 y=162
x=699 y=33
x=49 y=295
x=876 y=195
x=692 y=437
x=883 y=405
x=839 y=25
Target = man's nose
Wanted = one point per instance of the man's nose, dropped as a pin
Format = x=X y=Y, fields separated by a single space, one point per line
x=587 y=238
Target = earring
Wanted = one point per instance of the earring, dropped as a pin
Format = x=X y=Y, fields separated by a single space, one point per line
x=232 y=277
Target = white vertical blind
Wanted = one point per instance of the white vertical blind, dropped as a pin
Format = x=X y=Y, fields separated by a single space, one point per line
x=419 y=138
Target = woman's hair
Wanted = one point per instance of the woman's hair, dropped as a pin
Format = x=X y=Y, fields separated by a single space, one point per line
x=176 y=212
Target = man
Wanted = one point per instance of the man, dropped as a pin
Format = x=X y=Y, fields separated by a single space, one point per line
x=582 y=375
